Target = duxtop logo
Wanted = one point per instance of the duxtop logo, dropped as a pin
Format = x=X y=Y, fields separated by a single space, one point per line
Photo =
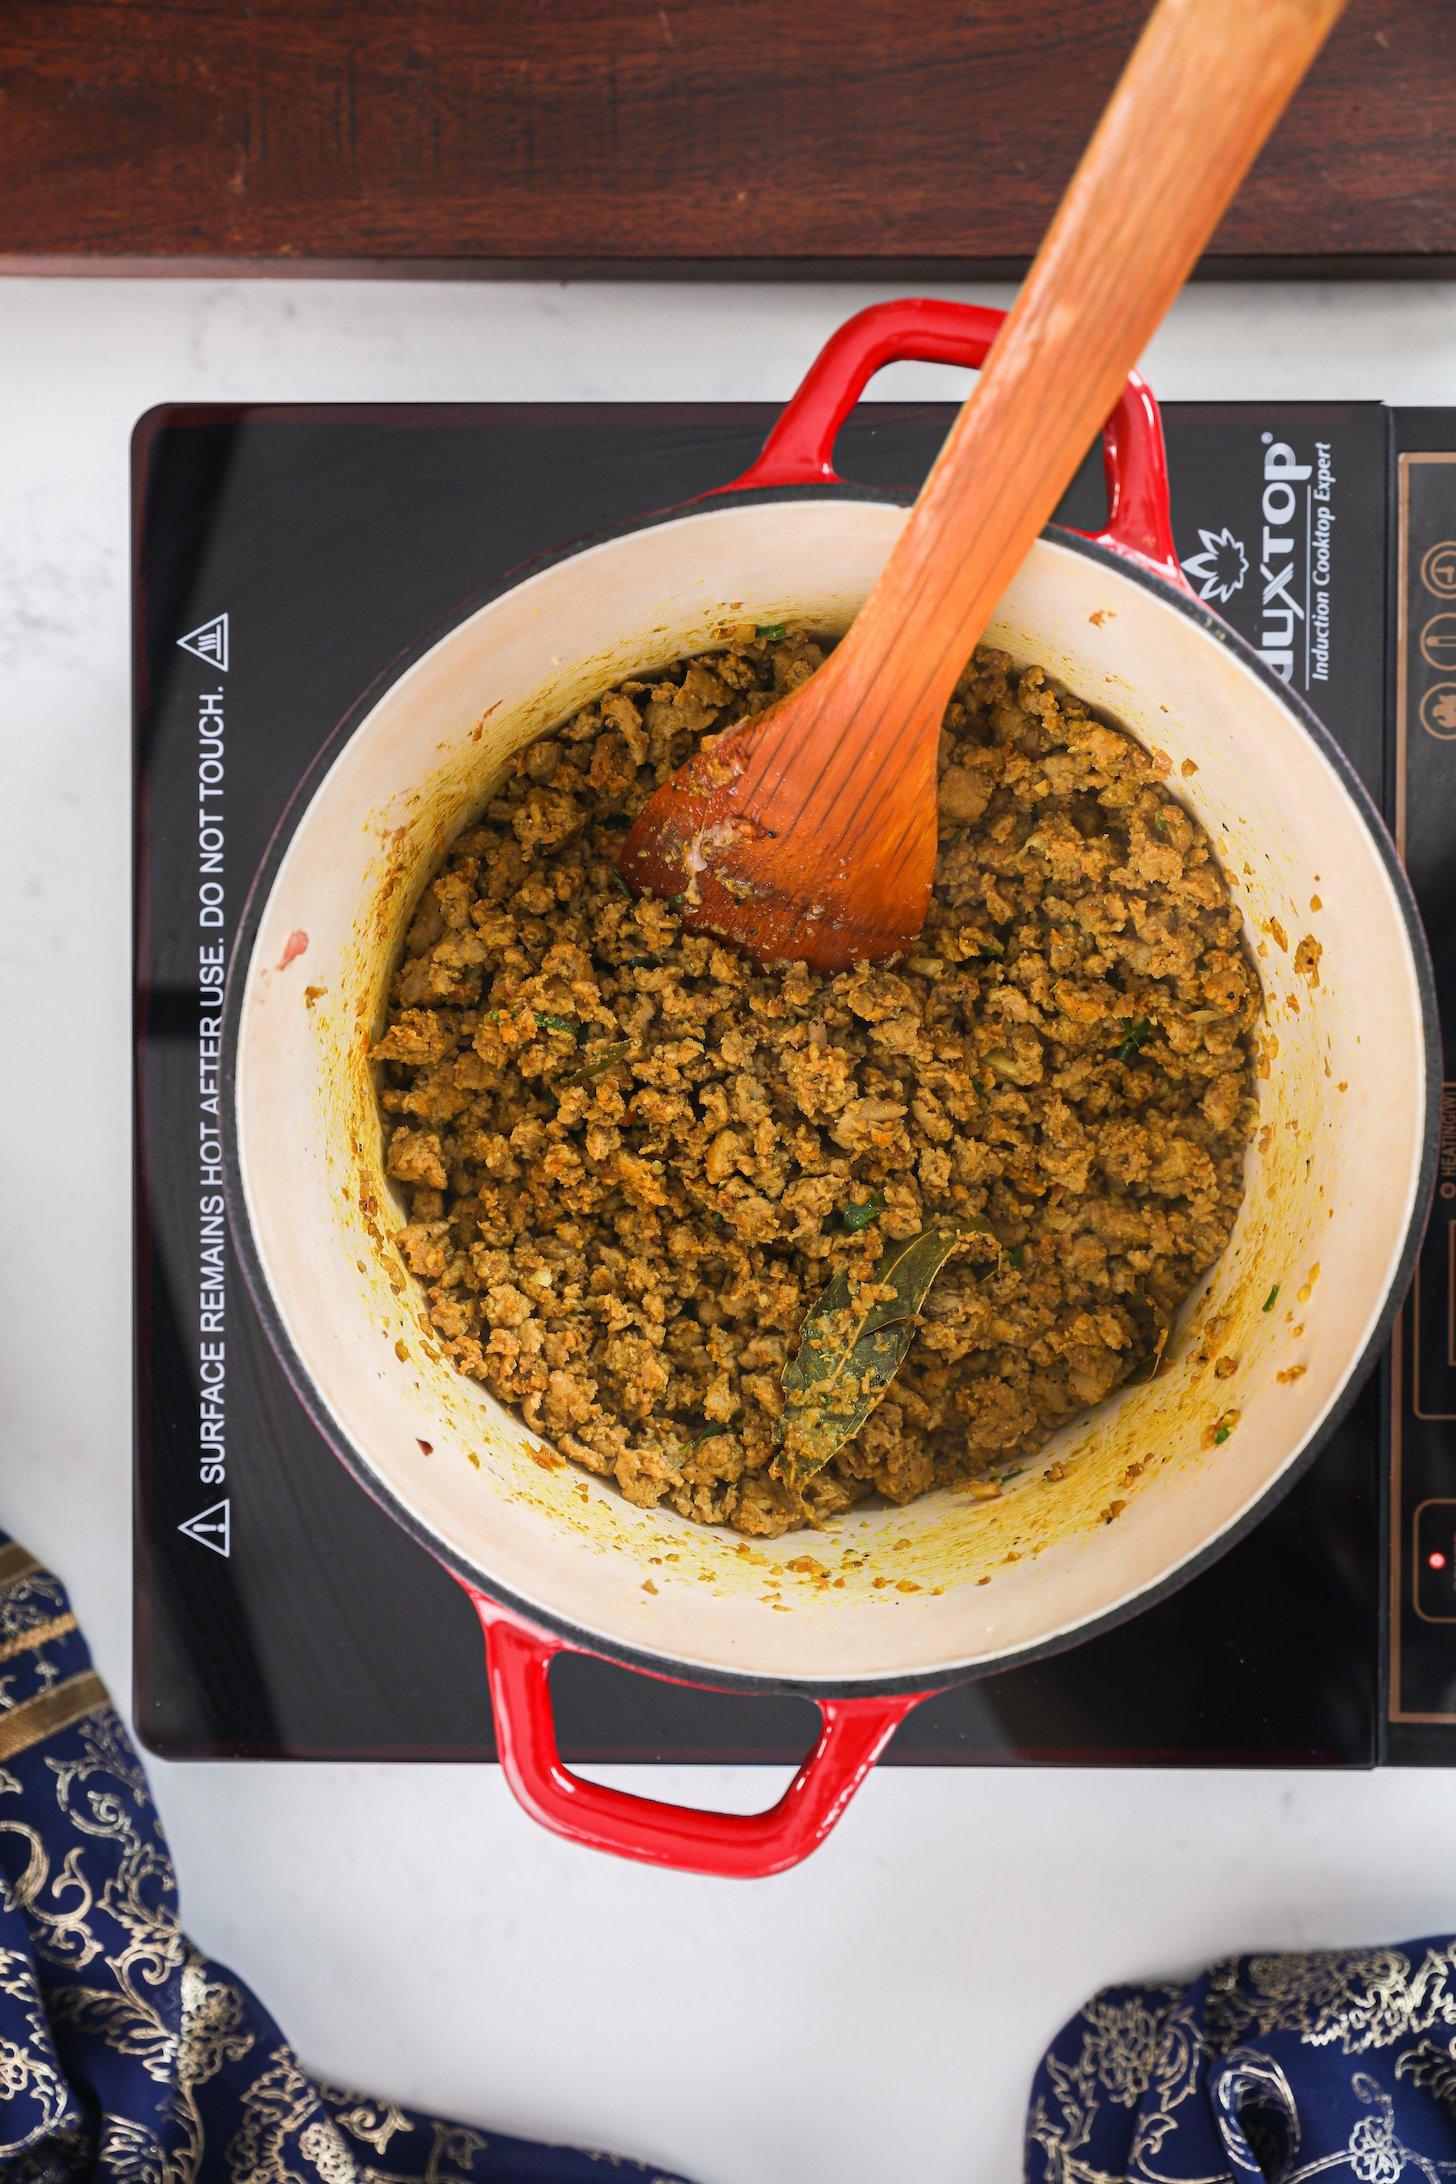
x=1219 y=570
x=1282 y=565
x=1284 y=556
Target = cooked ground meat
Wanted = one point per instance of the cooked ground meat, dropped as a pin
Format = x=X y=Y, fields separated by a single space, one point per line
x=632 y=1160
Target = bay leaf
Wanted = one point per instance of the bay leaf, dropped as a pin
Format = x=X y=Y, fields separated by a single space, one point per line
x=849 y=1351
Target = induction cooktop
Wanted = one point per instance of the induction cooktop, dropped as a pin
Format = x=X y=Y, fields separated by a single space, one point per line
x=283 y=558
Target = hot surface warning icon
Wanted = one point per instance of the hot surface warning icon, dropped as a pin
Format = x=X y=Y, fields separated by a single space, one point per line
x=209 y=641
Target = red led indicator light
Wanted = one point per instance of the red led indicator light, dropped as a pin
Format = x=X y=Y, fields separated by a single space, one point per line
x=1436 y=1560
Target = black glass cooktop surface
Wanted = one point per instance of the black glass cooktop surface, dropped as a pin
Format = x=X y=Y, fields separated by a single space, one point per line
x=283 y=559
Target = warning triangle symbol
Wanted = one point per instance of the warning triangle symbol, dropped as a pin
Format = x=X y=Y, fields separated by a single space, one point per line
x=212 y=1528
x=209 y=641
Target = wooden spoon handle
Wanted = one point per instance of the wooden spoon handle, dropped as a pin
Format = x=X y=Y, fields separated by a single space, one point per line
x=1203 y=89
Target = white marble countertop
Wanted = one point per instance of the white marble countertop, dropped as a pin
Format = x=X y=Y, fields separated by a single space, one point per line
x=879 y=2011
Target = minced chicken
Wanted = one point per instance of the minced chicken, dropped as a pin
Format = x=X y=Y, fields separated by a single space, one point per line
x=632 y=1160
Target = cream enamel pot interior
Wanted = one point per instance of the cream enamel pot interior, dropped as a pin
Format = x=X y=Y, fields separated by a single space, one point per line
x=1158 y=1479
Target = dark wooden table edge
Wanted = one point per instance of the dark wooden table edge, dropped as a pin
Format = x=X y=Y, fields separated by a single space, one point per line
x=899 y=272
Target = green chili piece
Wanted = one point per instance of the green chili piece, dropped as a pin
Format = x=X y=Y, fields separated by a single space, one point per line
x=855 y=1218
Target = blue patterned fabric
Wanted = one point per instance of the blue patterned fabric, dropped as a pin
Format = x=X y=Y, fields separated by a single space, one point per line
x=125 y=2055
x=1339 y=2065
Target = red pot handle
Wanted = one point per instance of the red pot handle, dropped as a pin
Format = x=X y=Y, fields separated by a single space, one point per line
x=738 y=1846
x=800 y=448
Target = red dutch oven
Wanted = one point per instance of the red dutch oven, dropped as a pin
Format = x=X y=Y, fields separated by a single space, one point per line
x=950 y=1587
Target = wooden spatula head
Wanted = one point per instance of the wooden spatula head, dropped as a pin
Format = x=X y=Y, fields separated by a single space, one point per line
x=827 y=865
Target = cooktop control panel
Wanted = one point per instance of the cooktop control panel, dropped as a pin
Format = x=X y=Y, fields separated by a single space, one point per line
x=1421 y=1681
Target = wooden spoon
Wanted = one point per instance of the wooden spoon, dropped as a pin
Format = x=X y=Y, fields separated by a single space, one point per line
x=810 y=833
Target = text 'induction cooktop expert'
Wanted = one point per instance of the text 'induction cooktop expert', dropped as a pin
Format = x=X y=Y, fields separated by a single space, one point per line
x=284 y=558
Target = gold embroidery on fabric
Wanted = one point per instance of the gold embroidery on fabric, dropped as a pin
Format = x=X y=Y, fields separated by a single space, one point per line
x=1136 y=2054
x=30 y=2078
x=98 y=1788
x=129 y=2149
x=285 y=2118
x=50 y=1712
x=373 y=2123
x=1358 y=1999
x=40 y=1634
x=146 y=1994
x=451 y=2159
x=15 y=1563
x=31 y=1601
x=30 y=1598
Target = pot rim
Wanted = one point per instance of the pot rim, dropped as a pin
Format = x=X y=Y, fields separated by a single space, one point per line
x=666 y=1665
